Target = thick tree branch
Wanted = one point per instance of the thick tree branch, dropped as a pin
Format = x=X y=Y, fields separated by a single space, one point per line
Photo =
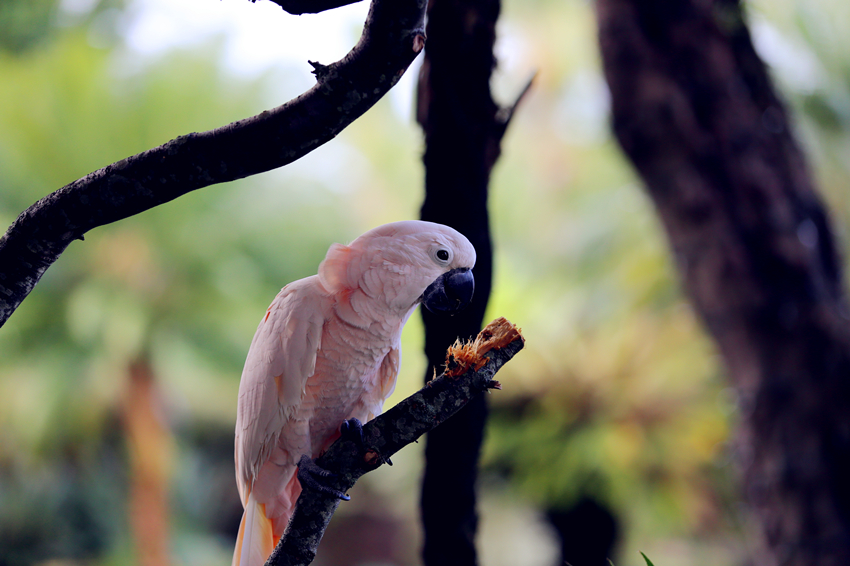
x=298 y=7
x=392 y=37
x=694 y=109
x=470 y=371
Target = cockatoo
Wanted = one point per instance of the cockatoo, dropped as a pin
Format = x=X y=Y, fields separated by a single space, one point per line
x=327 y=350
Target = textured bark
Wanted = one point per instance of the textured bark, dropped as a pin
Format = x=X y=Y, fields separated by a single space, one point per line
x=694 y=109
x=298 y=7
x=392 y=37
x=471 y=373
x=463 y=128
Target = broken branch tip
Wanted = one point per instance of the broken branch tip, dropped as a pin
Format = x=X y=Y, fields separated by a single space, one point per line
x=461 y=356
x=418 y=42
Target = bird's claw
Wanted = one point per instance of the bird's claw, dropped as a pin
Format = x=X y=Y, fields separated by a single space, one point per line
x=308 y=470
x=352 y=429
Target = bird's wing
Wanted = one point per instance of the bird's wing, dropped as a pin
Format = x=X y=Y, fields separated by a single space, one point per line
x=389 y=372
x=373 y=398
x=281 y=359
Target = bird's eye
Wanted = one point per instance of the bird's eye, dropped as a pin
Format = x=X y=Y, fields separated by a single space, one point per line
x=441 y=255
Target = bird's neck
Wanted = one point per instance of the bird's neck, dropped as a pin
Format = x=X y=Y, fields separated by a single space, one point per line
x=372 y=314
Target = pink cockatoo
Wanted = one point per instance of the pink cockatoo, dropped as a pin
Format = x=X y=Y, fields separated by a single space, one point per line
x=327 y=350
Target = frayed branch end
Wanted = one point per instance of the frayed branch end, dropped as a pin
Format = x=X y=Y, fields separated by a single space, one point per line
x=461 y=357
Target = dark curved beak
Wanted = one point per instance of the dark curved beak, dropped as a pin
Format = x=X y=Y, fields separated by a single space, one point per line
x=451 y=291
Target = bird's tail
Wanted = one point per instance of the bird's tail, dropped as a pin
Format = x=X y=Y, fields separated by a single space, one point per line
x=256 y=540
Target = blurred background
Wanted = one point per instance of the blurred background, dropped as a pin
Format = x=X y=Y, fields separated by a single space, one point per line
x=118 y=375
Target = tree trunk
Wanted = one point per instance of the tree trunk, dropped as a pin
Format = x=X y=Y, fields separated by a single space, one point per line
x=462 y=135
x=587 y=532
x=694 y=109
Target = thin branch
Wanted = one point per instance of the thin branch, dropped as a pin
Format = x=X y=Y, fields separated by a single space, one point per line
x=506 y=114
x=298 y=7
x=470 y=369
x=392 y=37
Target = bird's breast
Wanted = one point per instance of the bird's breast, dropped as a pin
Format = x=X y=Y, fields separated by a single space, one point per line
x=347 y=370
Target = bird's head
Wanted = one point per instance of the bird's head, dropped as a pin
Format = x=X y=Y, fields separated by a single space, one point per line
x=404 y=263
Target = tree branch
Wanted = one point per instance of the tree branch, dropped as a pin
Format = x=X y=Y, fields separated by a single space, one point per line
x=469 y=371
x=506 y=113
x=392 y=37
x=298 y=7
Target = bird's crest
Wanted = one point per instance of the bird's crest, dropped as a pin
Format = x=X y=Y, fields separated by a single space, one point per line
x=334 y=269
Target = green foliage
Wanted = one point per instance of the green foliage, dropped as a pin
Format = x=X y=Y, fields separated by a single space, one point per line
x=23 y=23
x=27 y=24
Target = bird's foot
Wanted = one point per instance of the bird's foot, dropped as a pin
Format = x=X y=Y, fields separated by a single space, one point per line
x=309 y=471
x=352 y=429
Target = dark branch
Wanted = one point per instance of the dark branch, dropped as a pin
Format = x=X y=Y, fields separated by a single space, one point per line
x=298 y=7
x=395 y=429
x=392 y=37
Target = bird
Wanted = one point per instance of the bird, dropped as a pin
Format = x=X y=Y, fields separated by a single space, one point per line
x=327 y=350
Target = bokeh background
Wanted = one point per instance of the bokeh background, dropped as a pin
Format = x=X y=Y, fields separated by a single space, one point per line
x=118 y=375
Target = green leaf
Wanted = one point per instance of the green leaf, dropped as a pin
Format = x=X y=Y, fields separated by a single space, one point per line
x=648 y=561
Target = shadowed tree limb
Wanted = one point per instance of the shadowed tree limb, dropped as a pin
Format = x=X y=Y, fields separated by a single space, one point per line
x=694 y=109
x=298 y=7
x=470 y=371
x=392 y=37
